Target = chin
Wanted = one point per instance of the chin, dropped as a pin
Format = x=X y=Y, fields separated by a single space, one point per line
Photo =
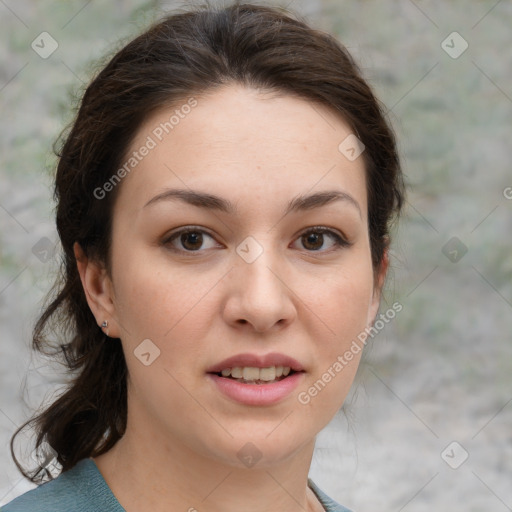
x=260 y=451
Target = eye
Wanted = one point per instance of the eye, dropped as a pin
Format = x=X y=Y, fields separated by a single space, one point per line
x=192 y=239
x=189 y=239
x=314 y=238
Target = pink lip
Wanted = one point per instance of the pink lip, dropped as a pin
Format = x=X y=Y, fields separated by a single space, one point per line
x=253 y=360
x=257 y=394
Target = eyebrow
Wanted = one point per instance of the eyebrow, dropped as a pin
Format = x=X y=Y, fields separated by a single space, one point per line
x=213 y=202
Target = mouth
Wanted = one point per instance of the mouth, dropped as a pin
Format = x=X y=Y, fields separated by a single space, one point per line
x=257 y=376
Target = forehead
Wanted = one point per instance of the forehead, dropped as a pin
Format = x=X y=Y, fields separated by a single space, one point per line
x=242 y=144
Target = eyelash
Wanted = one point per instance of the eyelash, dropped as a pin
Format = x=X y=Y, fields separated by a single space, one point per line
x=339 y=241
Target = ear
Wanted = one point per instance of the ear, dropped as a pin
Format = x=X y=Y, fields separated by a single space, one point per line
x=380 y=277
x=99 y=291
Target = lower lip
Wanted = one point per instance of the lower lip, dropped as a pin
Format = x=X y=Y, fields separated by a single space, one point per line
x=257 y=394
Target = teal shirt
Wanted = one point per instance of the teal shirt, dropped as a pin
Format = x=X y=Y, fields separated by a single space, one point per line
x=83 y=489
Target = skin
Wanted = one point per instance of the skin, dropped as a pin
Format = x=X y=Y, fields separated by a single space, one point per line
x=259 y=151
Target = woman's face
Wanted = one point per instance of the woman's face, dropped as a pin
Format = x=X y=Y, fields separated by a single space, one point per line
x=263 y=270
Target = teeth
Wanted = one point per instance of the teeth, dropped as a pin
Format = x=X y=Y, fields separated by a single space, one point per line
x=267 y=374
x=237 y=373
x=251 y=373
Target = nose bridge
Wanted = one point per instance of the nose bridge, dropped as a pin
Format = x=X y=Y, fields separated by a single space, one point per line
x=260 y=296
x=256 y=261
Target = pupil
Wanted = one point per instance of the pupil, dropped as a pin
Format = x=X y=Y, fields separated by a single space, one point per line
x=195 y=238
x=314 y=238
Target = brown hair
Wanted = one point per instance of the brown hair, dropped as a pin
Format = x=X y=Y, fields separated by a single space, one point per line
x=184 y=54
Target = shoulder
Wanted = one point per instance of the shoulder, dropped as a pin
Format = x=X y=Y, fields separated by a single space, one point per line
x=328 y=503
x=80 y=489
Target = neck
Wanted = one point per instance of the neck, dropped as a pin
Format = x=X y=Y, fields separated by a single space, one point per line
x=146 y=471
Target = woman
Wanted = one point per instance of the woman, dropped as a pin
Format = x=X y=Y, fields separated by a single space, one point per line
x=224 y=202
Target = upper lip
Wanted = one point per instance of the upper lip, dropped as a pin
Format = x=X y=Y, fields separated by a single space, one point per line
x=256 y=361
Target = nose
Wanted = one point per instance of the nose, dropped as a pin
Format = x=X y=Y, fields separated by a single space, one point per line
x=259 y=296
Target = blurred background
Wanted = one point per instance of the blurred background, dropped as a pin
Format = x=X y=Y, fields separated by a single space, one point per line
x=428 y=426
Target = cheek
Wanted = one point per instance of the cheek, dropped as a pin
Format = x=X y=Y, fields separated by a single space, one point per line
x=343 y=302
x=341 y=306
x=165 y=306
x=163 y=303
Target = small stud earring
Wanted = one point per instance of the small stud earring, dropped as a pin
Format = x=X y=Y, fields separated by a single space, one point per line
x=104 y=325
